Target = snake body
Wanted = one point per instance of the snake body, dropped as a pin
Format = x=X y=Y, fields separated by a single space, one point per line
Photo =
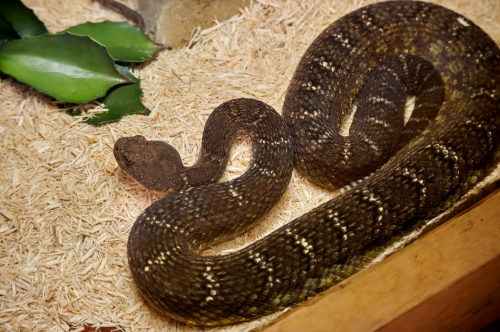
x=374 y=58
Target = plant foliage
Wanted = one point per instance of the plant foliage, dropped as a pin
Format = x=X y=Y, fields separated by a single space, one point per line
x=78 y=64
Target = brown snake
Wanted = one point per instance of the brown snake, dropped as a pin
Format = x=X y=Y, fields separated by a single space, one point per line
x=374 y=57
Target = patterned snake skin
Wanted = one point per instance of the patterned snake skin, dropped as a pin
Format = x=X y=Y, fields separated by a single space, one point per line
x=372 y=58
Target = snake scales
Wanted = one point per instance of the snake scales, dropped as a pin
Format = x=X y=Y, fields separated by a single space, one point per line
x=374 y=58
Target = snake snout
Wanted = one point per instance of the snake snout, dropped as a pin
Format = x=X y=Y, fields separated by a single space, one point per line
x=155 y=165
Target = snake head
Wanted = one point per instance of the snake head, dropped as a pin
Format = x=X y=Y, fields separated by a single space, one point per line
x=155 y=165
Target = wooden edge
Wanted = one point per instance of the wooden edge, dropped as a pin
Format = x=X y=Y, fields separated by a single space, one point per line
x=445 y=279
x=469 y=305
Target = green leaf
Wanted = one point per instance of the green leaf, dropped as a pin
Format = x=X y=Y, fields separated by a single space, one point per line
x=7 y=32
x=124 y=41
x=121 y=101
x=23 y=19
x=66 y=67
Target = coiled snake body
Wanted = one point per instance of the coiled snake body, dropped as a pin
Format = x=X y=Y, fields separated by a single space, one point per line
x=374 y=57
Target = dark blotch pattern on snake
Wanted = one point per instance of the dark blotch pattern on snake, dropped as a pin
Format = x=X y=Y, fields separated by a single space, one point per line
x=374 y=57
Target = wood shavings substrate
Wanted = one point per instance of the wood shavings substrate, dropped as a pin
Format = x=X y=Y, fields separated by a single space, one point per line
x=65 y=207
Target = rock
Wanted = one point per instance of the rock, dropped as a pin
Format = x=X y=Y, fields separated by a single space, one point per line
x=171 y=22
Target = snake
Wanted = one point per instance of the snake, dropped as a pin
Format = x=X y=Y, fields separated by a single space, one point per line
x=406 y=171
